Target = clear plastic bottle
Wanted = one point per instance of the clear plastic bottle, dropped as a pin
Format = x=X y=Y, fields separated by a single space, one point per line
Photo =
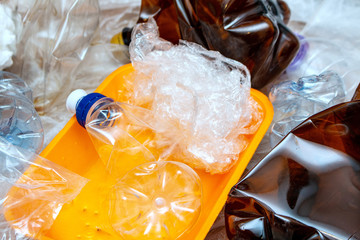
x=19 y=122
x=123 y=135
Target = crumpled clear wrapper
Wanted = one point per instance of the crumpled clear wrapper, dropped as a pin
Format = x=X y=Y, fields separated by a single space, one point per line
x=33 y=191
x=294 y=101
x=205 y=95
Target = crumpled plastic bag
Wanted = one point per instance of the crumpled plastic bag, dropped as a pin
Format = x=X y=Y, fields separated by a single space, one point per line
x=204 y=95
x=33 y=191
x=252 y=32
x=307 y=187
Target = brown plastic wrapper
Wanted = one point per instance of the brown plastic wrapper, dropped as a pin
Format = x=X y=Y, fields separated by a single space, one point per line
x=253 y=32
x=307 y=187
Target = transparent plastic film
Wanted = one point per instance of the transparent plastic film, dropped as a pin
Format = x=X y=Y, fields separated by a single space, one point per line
x=33 y=191
x=307 y=187
x=204 y=95
x=54 y=40
x=158 y=200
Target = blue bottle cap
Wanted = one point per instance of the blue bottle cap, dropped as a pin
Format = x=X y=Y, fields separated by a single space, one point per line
x=83 y=106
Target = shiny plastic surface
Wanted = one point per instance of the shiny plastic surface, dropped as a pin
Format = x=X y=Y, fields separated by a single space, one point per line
x=307 y=187
x=33 y=191
x=87 y=217
x=156 y=200
x=253 y=32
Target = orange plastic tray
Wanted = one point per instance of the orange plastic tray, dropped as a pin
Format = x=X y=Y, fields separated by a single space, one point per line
x=72 y=148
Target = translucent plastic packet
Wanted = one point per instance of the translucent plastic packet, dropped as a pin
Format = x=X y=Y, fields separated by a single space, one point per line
x=204 y=95
x=307 y=187
x=33 y=191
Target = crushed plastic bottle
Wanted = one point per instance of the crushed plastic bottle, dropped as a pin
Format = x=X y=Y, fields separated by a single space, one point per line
x=158 y=200
x=307 y=187
x=294 y=101
x=19 y=122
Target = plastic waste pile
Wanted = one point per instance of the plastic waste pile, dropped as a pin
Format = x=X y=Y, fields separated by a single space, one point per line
x=150 y=139
x=172 y=123
x=297 y=182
